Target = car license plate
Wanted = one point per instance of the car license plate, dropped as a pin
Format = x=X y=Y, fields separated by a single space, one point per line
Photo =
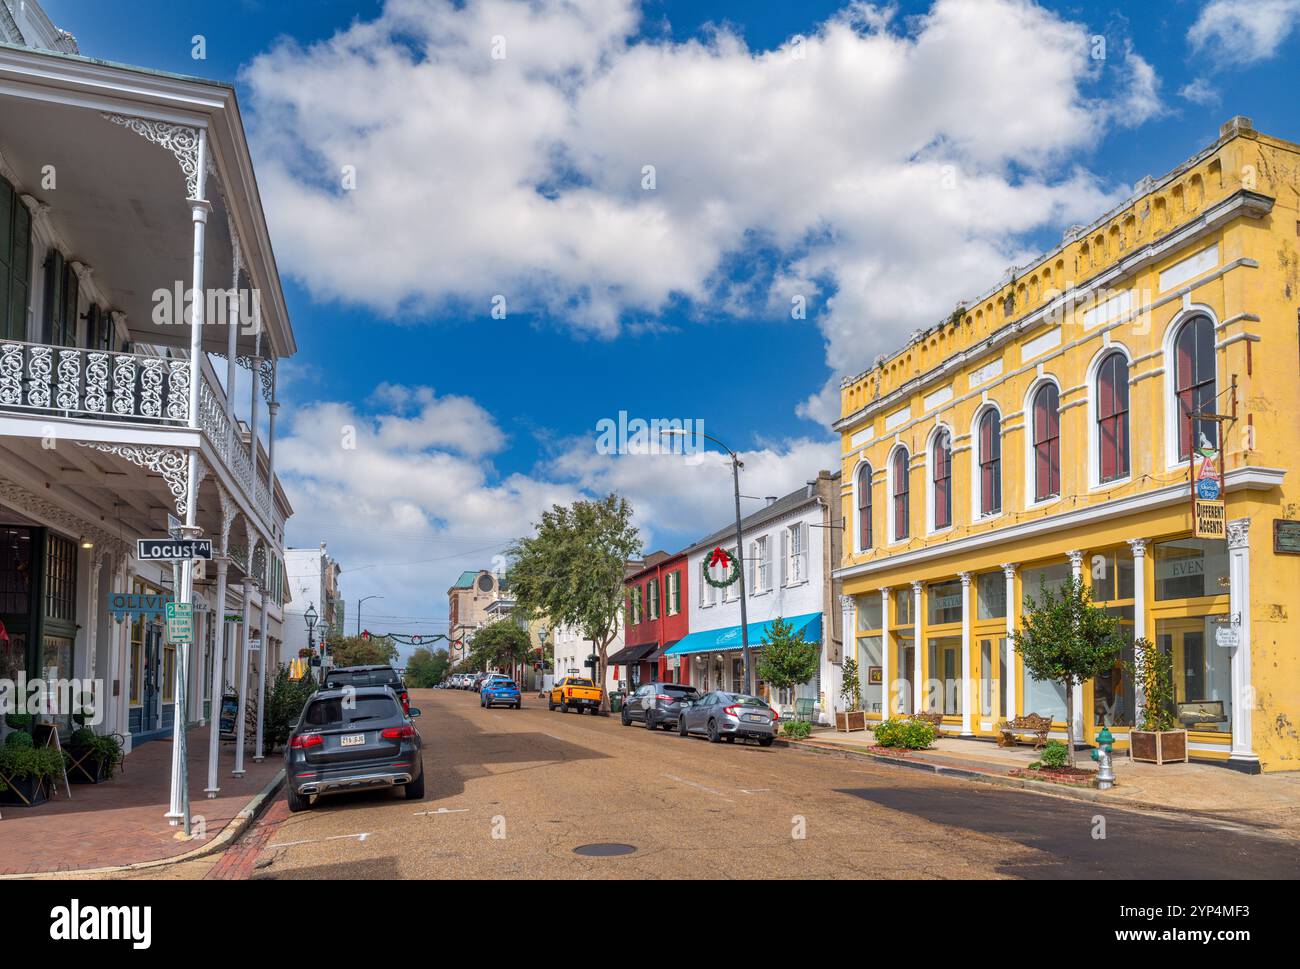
x=353 y=740
x=753 y=718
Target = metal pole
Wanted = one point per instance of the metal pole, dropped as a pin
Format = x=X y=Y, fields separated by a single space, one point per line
x=740 y=565
x=238 y=770
x=258 y=755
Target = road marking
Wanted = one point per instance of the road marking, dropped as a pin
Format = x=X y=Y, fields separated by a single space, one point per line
x=757 y=790
x=338 y=837
x=442 y=811
x=682 y=780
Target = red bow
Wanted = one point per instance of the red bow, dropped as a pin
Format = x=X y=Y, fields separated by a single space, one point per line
x=720 y=556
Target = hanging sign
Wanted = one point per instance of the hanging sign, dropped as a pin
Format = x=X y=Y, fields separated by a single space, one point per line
x=1207 y=489
x=1226 y=636
x=1211 y=520
x=173 y=550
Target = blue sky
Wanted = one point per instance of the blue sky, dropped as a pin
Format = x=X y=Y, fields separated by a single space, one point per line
x=775 y=177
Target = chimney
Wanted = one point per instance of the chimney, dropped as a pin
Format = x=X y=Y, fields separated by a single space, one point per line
x=1237 y=125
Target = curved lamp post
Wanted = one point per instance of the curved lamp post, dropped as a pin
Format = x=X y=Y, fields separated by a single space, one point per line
x=359 y=602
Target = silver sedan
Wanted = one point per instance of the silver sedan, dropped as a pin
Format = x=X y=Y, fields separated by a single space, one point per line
x=730 y=715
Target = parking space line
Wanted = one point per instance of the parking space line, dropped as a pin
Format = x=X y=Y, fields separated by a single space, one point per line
x=442 y=811
x=362 y=836
x=709 y=790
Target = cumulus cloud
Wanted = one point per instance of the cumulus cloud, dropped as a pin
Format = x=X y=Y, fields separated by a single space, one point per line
x=888 y=167
x=1244 y=30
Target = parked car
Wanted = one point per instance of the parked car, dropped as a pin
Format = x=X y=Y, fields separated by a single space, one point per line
x=348 y=740
x=575 y=692
x=499 y=692
x=730 y=715
x=357 y=676
x=657 y=704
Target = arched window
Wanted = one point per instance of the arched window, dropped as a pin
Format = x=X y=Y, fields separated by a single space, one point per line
x=902 y=504
x=941 y=459
x=990 y=461
x=1112 y=418
x=864 y=508
x=1047 y=443
x=1194 y=384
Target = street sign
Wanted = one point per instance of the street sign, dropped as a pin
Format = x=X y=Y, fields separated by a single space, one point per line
x=180 y=623
x=173 y=549
x=1207 y=489
x=1210 y=520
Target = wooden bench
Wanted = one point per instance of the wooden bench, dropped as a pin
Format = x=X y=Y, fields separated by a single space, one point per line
x=933 y=719
x=1030 y=723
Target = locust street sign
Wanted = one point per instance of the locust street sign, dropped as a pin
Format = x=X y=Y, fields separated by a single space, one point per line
x=173 y=549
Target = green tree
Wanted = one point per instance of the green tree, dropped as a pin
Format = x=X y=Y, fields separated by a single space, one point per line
x=1065 y=639
x=356 y=651
x=571 y=571
x=503 y=644
x=787 y=659
x=427 y=668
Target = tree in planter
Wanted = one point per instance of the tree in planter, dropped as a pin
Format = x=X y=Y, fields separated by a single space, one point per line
x=787 y=658
x=851 y=687
x=1064 y=638
x=1153 y=671
x=571 y=571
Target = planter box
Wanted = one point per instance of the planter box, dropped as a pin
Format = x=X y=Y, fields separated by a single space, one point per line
x=847 y=722
x=88 y=771
x=27 y=792
x=1158 y=746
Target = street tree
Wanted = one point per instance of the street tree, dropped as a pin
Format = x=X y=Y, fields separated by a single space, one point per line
x=787 y=659
x=359 y=651
x=427 y=668
x=571 y=571
x=503 y=644
x=1063 y=638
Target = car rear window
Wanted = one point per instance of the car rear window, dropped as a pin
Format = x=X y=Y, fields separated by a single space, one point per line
x=333 y=711
x=578 y=682
x=386 y=677
x=504 y=684
x=739 y=699
x=679 y=689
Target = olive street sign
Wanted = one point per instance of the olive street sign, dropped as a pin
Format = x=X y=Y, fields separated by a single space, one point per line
x=173 y=549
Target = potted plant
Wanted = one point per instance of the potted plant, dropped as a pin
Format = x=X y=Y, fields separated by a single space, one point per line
x=852 y=716
x=26 y=770
x=1158 y=739
x=92 y=758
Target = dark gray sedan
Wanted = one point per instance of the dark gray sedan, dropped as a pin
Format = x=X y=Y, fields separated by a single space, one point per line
x=721 y=715
x=351 y=739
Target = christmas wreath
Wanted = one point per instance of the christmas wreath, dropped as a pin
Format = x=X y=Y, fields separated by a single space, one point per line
x=729 y=562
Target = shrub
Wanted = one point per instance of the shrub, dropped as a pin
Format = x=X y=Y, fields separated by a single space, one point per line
x=285 y=699
x=1055 y=754
x=104 y=749
x=905 y=734
x=19 y=738
x=798 y=729
x=19 y=721
x=23 y=762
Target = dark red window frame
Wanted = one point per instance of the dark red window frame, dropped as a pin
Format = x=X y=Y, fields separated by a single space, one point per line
x=902 y=499
x=1047 y=442
x=1112 y=418
x=1194 y=369
x=990 y=458
x=864 y=507
x=942 y=476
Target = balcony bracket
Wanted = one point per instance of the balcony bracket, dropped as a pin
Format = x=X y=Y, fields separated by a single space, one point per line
x=171 y=463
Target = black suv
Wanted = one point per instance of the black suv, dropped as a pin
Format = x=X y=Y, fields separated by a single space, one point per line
x=352 y=739
x=358 y=676
x=657 y=704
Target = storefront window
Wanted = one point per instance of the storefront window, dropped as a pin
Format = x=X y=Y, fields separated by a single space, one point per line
x=1112 y=575
x=1112 y=691
x=870 y=672
x=869 y=612
x=1202 y=672
x=169 y=674
x=137 y=659
x=1051 y=577
x=943 y=601
x=903 y=607
x=991 y=596
x=1188 y=568
x=990 y=684
x=906 y=668
x=1042 y=697
x=943 y=691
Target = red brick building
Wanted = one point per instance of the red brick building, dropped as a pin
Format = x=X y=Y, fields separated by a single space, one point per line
x=656 y=617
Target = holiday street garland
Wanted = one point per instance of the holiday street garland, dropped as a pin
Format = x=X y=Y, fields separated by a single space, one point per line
x=719 y=557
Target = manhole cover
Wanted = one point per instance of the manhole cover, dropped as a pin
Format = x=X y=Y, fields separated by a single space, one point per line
x=604 y=850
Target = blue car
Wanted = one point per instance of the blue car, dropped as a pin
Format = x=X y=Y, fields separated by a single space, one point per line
x=499 y=693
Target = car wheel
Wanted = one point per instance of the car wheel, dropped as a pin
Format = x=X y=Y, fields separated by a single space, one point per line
x=649 y=720
x=414 y=791
x=681 y=727
x=714 y=736
x=517 y=706
x=564 y=706
x=297 y=802
x=626 y=718
x=765 y=741
x=550 y=704
x=731 y=738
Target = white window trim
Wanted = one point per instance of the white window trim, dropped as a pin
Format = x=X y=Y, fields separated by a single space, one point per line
x=891 y=495
x=762 y=571
x=1094 y=436
x=1028 y=411
x=1169 y=400
x=975 y=515
x=930 y=490
x=856 y=517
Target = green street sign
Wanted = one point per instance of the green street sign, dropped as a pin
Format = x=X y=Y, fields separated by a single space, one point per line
x=180 y=623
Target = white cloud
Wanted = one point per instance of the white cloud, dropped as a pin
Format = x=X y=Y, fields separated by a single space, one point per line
x=1200 y=91
x=1244 y=30
x=894 y=166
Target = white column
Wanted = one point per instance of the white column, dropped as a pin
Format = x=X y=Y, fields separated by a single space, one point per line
x=1243 y=687
x=122 y=662
x=1139 y=547
x=92 y=620
x=1076 y=570
x=242 y=685
x=263 y=655
x=965 y=654
x=218 y=676
x=886 y=708
x=916 y=647
x=1009 y=570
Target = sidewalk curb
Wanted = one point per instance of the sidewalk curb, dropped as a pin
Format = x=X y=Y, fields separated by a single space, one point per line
x=1037 y=787
x=230 y=833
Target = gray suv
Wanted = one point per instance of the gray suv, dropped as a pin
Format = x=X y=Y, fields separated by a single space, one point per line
x=657 y=704
x=352 y=739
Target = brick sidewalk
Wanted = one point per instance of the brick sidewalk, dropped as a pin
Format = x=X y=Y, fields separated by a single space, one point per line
x=121 y=822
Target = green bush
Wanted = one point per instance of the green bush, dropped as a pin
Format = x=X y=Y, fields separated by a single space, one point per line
x=285 y=699
x=19 y=738
x=103 y=749
x=798 y=729
x=19 y=721
x=905 y=734
x=1055 y=754
x=23 y=762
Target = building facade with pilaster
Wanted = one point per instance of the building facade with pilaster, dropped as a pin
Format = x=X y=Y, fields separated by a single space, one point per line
x=1055 y=427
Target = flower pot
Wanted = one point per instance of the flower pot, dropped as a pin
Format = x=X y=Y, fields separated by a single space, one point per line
x=25 y=792
x=1158 y=746
x=847 y=721
x=87 y=771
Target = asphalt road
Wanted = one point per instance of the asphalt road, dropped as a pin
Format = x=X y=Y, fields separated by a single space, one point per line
x=514 y=793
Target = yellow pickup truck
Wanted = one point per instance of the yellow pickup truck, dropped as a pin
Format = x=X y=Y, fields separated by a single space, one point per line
x=575 y=693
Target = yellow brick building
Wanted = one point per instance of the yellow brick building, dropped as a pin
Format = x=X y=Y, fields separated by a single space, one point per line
x=1042 y=430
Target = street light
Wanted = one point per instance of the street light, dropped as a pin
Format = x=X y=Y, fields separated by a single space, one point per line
x=359 y=602
x=736 y=465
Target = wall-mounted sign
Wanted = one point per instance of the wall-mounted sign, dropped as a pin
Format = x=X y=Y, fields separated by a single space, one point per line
x=1210 y=520
x=1286 y=536
x=138 y=606
x=1226 y=636
x=173 y=549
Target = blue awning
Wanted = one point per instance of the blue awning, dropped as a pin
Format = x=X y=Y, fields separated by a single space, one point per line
x=728 y=637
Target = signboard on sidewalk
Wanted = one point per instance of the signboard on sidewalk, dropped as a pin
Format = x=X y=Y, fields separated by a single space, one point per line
x=1211 y=520
x=173 y=549
x=180 y=623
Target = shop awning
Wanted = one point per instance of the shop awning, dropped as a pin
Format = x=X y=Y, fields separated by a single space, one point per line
x=659 y=654
x=632 y=654
x=728 y=637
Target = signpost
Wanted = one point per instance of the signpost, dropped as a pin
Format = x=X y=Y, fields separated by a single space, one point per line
x=173 y=549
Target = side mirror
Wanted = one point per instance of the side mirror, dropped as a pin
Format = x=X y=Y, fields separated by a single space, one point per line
x=415 y=712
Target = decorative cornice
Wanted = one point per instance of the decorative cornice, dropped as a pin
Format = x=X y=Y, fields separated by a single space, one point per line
x=44 y=510
x=1239 y=533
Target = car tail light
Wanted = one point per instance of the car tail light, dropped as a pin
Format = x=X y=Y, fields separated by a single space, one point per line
x=397 y=733
x=568 y=693
x=731 y=711
x=303 y=741
x=664 y=698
